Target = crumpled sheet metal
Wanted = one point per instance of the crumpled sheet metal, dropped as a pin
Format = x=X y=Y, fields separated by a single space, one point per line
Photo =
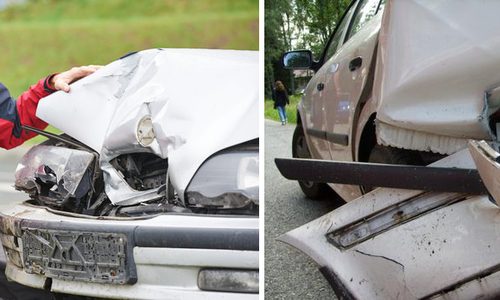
x=434 y=66
x=437 y=251
x=199 y=101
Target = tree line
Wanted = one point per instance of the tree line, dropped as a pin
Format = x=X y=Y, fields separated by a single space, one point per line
x=296 y=24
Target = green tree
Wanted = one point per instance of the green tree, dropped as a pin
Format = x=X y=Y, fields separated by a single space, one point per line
x=317 y=20
x=278 y=16
x=296 y=24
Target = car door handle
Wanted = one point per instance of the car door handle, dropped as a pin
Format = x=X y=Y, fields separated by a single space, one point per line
x=320 y=86
x=355 y=63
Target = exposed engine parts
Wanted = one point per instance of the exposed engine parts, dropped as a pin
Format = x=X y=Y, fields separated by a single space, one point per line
x=67 y=177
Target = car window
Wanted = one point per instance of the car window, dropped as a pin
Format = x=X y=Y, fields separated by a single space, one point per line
x=367 y=10
x=336 y=39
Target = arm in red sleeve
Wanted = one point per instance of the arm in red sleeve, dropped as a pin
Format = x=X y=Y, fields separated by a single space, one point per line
x=15 y=114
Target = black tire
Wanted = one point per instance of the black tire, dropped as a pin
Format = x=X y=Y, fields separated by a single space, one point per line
x=392 y=156
x=300 y=149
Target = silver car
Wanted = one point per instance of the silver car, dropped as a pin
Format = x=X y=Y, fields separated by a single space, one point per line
x=408 y=83
x=152 y=192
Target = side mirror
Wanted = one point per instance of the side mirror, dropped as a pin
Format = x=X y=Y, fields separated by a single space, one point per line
x=300 y=59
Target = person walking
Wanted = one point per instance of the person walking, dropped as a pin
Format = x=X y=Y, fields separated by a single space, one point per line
x=280 y=98
x=14 y=114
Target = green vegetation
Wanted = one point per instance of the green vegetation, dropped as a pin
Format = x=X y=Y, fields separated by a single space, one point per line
x=291 y=110
x=45 y=36
x=296 y=24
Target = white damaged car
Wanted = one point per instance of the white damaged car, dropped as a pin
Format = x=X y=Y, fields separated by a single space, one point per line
x=152 y=192
x=405 y=97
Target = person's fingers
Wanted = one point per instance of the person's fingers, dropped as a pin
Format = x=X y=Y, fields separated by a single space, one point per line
x=61 y=85
x=64 y=79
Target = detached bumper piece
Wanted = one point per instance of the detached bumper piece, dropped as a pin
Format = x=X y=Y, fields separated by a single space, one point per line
x=487 y=159
x=435 y=179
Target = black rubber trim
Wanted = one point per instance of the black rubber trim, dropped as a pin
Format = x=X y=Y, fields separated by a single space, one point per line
x=423 y=178
x=128 y=54
x=316 y=133
x=204 y=238
x=335 y=138
x=338 y=287
x=150 y=236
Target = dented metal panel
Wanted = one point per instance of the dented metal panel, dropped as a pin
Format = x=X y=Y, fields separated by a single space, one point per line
x=373 y=250
x=175 y=103
x=486 y=159
x=434 y=67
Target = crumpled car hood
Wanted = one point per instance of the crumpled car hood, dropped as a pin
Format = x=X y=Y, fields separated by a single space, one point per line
x=192 y=103
x=433 y=70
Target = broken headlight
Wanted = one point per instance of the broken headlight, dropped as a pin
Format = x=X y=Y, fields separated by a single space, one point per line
x=57 y=176
x=227 y=180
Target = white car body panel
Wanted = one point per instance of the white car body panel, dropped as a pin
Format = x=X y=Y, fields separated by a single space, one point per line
x=162 y=272
x=332 y=110
x=447 y=253
x=344 y=102
x=199 y=101
x=435 y=87
x=434 y=66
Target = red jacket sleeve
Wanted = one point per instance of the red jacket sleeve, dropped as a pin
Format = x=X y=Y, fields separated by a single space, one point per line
x=15 y=114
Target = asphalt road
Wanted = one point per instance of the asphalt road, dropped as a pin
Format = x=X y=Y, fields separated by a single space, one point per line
x=289 y=274
x=9 y=196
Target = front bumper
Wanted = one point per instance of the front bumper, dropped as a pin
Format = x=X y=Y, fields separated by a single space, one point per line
x=156 y=258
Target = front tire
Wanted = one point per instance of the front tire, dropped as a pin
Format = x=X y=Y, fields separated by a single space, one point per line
x=300 y=149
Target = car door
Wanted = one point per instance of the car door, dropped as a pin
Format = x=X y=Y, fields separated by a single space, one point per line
x=314 y=111
x=348 y=70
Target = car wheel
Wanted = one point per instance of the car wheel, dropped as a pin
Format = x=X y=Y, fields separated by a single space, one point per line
x=300 y=149
x=391 y=156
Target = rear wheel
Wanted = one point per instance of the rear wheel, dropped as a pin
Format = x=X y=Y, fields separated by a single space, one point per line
x=391 y=156
x=300 y=149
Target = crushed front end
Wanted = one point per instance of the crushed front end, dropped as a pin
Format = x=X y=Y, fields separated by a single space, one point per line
x=146 y=202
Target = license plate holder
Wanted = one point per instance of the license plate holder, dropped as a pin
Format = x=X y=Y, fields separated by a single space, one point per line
x=76 y=255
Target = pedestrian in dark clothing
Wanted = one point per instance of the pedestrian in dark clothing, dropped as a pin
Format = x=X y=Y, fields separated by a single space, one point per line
x=280 y=98
x=14 y=114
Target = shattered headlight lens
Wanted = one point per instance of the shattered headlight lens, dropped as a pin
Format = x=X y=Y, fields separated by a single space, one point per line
x=66 y=167
x=226 y=180
x=241 y=281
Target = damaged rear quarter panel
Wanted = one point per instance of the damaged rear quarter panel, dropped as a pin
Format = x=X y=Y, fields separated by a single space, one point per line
x=433 y=69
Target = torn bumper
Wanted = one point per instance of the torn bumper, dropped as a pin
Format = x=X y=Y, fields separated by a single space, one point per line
x=405 y=244
x=157 y=258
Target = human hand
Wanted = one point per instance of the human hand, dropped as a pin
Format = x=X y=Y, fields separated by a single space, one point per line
x=62 y=80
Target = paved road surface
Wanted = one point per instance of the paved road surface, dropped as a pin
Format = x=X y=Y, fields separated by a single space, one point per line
x=8 y=197
x=289 y=273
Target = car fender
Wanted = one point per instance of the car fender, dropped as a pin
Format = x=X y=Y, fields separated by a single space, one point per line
x=365 y=129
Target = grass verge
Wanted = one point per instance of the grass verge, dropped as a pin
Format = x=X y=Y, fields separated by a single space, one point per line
x=291 y=110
